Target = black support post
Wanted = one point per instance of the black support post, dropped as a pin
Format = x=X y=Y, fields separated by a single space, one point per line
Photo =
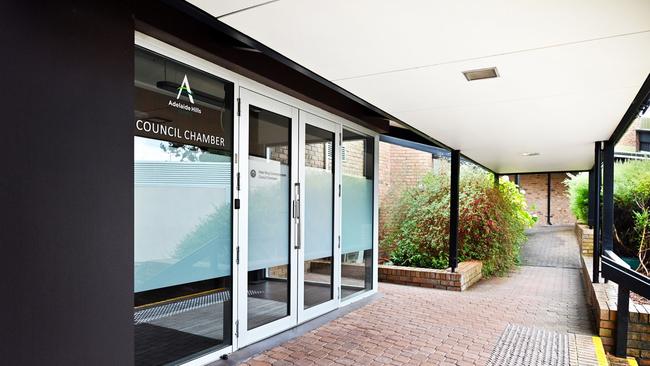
x=622 y=319
x=518 y=180
x=496 y=179
x=590 y=208
x=453 y=209
x=608 y=196
x=548 y=199
x=596 y=215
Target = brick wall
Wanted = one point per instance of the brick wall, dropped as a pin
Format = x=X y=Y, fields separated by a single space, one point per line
x=629 y=140
x=535 y=186
x=399 y=168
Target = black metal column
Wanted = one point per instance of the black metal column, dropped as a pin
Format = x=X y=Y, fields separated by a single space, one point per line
x=595 y=197
x=548 y=199
x=518 y=180
x=622 y=319
x=590 y=208
x=453 y=209
x=496 y=179
x=608 y=196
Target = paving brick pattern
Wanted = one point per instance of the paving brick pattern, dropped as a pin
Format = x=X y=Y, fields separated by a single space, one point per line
x=422 y=326
x=551 y=247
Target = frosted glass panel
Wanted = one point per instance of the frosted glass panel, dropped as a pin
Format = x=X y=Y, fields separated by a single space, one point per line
x=268 y=230
x=318 y=213
x=269 y=179
x=182 y=216
x=357 y=214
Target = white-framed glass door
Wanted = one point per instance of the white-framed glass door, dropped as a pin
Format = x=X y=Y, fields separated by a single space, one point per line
x=289 y=217
x=318 y=244
x=268 y=177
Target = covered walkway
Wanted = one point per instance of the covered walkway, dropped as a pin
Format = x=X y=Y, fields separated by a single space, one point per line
x=538 y=313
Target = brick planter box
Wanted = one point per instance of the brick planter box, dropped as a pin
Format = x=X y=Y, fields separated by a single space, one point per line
x=602 y=297
x=467 y=274
x=585 y=237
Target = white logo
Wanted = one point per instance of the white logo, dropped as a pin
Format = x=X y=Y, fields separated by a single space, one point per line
x=185 y=85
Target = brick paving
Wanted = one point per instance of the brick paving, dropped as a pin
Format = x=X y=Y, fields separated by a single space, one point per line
x=420 y=326
x=551 y=247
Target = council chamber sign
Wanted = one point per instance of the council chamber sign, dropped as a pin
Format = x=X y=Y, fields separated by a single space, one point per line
x=173 y=111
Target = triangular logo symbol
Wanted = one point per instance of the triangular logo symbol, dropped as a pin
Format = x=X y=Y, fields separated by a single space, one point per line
x=185 y=85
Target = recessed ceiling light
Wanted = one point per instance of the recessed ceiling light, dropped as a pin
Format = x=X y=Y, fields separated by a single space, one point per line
x=478 y=74
x=530 y=154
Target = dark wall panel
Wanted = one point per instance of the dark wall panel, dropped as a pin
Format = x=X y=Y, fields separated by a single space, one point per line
x=66 y=193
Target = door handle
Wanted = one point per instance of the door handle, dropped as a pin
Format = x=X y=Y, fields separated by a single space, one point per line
x=296 y=215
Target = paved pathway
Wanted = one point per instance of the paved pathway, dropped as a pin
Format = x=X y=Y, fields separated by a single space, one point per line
x=418 y=326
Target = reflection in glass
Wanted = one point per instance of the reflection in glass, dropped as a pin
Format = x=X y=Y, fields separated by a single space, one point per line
x=269 y=238
x=357 y=213
x=319 y=216
x=183 y=213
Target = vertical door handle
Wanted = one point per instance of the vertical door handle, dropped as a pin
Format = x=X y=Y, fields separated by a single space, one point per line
x=296 y=215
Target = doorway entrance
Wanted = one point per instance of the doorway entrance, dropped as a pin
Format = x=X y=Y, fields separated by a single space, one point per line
x=289 y=217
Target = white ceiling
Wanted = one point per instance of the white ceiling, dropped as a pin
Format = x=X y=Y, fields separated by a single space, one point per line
x=569 y=69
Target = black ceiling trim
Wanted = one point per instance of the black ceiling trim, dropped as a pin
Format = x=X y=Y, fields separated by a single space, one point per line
x=548 y=172
x=641 y=99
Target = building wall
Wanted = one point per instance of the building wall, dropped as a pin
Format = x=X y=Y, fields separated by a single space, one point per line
x=66 y=195
x=535 y=186
x=399 y=168
x=629 y=140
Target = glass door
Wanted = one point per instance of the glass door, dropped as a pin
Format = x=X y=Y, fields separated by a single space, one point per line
x=318 y=238
x=289 y=229
x=268 y=177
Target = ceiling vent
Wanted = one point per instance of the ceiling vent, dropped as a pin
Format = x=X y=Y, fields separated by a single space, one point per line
x=478 y=74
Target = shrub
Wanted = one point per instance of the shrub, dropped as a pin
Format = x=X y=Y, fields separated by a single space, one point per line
x=492 y=223
x=578 y=187
x=631 y=203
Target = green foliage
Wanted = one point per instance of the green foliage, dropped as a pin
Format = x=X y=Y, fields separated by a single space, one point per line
x=631 y=201
x=492 y=223
x=578 y=187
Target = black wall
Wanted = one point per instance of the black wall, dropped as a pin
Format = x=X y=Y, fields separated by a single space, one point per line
x=66 y=183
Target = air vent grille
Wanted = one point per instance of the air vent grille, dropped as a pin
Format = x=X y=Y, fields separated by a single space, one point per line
x=479 y=74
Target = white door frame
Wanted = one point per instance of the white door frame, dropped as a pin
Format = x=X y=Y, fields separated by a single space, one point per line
x=306 y=314
x=245 y=336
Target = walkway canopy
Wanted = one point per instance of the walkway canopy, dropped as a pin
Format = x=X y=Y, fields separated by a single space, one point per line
x=566 y=72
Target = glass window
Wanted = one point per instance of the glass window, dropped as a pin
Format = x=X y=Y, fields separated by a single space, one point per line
x=357 y=213
x=183 y=215
x=319 y=216
x=269 y=242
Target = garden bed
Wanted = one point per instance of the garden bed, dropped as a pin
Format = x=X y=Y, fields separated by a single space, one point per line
x=467 y=274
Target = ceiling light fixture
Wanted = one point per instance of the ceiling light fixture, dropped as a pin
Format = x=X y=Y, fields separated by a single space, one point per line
x=478 y=74
x=530 y=154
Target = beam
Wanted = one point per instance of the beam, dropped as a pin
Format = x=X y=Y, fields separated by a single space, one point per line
x=548 y=198
x=416 y=145
x=590 y=213
x=608 y=196
x=595 y=197
x=632 y=112
x=545 y=172
x=518 y=180
x=453 y=209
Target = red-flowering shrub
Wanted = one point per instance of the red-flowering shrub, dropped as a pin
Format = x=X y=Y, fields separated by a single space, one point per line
x=492 y=221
